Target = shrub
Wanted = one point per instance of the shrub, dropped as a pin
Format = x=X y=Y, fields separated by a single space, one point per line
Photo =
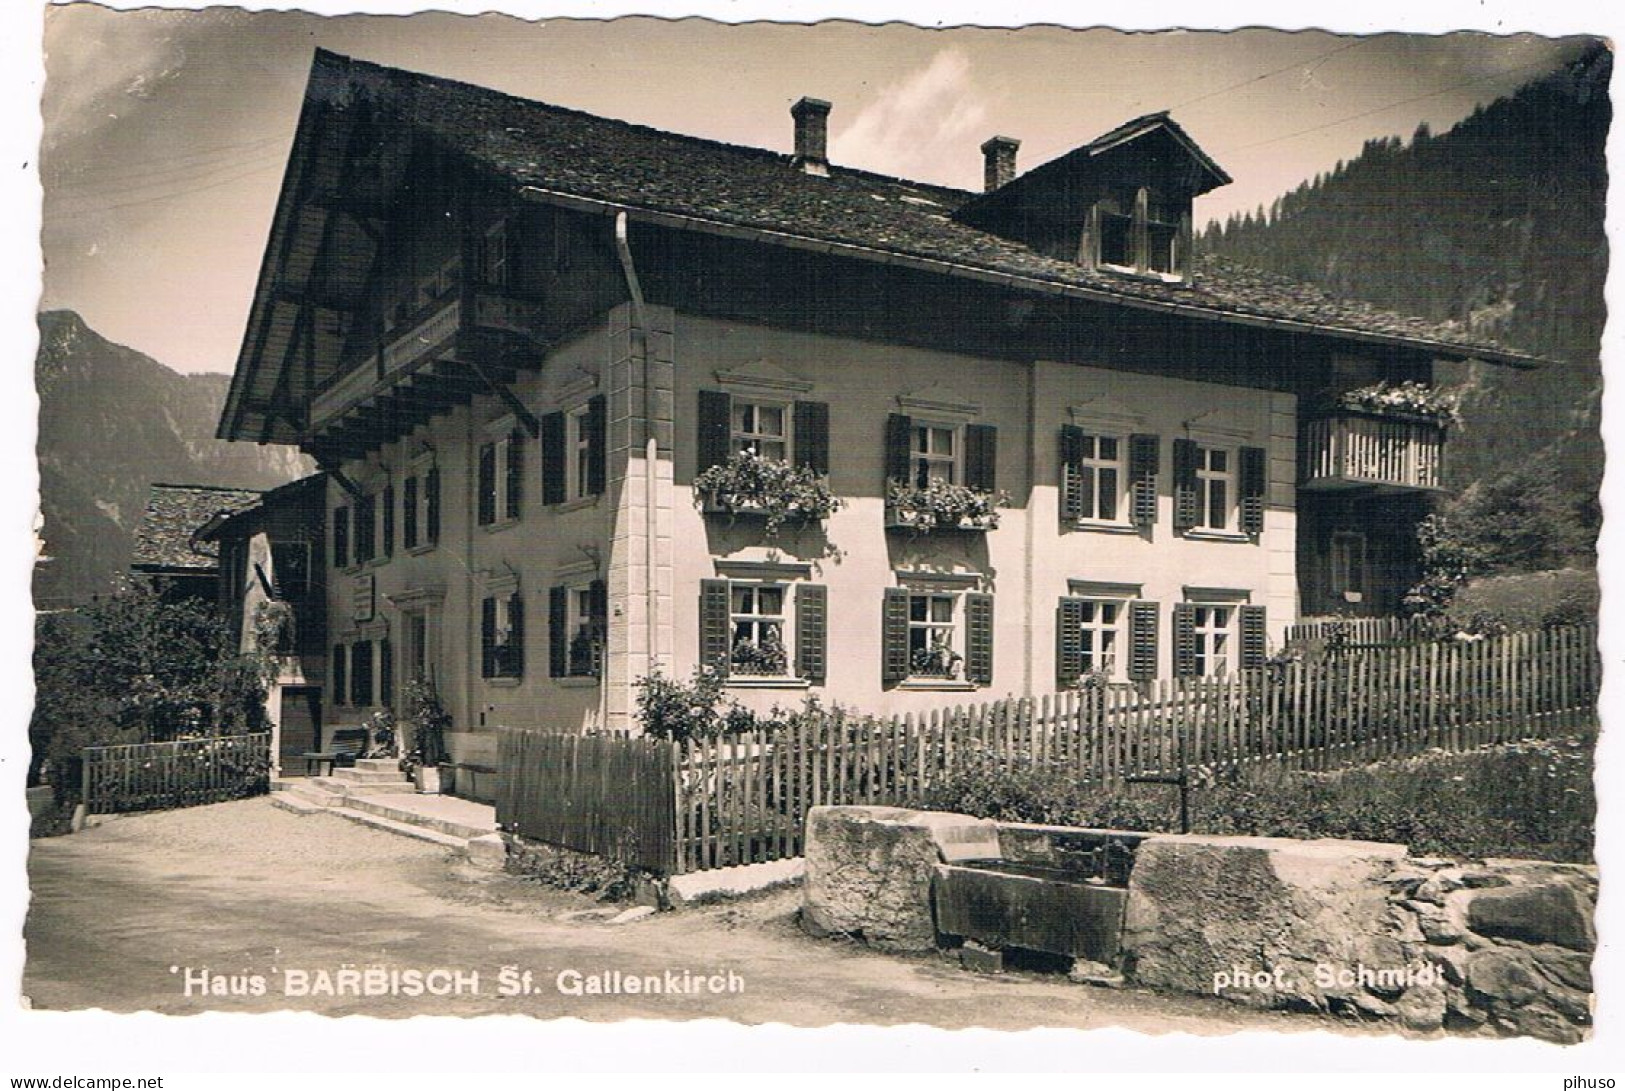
x=697 y=709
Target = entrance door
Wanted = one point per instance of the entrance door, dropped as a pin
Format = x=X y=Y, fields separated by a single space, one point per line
x=301 y=720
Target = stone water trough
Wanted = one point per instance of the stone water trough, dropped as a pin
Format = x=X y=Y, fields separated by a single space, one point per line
x=1361 y=928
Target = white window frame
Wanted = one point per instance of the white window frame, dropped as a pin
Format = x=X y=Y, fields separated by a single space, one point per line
x=1348 y=564
x=930 y=625
x=577 y=617
x=1093 y=464
x=753 y=438
x=419 y=471
x=756 y=619
x=499 y=434
x=1207 y=478
x=920 y=462
x=1216 y=629
x=1106 y=638
x=578 y=453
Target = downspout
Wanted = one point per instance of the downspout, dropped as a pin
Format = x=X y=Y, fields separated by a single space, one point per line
x=639 y=338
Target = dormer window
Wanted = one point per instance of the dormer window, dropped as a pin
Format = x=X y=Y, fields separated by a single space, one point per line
x=1138 y=232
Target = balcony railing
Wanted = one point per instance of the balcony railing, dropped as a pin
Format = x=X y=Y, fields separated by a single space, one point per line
x=1351 y=449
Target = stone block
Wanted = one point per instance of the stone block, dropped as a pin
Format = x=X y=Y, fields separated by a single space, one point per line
x=1272 y=908
x=489 y=853
x=981 y=960
x=1422 y=1008
x=869 y=870
x=1537 y=913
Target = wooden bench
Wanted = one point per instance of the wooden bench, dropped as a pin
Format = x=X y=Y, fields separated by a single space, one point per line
x=346 y=745
x=474 y=769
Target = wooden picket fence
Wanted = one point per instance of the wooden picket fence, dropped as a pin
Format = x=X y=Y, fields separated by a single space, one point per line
x=157 y=776
x=611 y=795
x=710 y=803
x=1360 y=631
x=744 y=799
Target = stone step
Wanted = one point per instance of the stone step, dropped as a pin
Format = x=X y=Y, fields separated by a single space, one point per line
x=380 y=806
x=350 y=788
x=379 y=765
x=370 y=776
x=294 y=802
x=390 y=825
x=314 y=793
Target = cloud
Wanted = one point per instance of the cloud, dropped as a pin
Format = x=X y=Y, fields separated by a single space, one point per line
x=926 y=125
x=96 y=72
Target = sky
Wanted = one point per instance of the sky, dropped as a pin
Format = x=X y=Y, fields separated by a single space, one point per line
x=166 y=132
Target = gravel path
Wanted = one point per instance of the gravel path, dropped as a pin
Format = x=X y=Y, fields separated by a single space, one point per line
x=244 y=889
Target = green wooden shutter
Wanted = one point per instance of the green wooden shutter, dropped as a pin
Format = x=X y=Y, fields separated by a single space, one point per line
x=899 y=437
x=1184 y=640
x=388 y=500
x=409 y=513
x=340 y=680
x=1185 y=483
x=361 y=673
x=488 y=637
x=596 y=422
x=714 y=624
x=1142 y=640
x=598 y=597
x=812 y=436
x=711 y=441
x=516 y=473
x=516 y=636
x=1144 y=464
x=894 y=635
x=386 y=672
x=981 y=456
x=551 y=436
x=341 y=537
x=812 y=631
x=1254 y=641
x=1071 y=480
x=488 y=484
x=979 y=638
x=558 y=649
x=1068 y=642
x=1254 y=474
x=431 y=487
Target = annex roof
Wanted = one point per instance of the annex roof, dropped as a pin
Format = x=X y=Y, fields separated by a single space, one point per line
x=166 y=539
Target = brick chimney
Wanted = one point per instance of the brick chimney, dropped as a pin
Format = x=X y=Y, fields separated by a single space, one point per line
x=998 y=161
x=812 y=135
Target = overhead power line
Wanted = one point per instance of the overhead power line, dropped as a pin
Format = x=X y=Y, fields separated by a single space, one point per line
x=1272 y=72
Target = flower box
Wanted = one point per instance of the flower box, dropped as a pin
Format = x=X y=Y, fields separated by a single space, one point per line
x=940 y=506
x=773 y=490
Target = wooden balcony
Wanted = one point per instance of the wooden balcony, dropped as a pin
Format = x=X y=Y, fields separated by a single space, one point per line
x=424 y=362
x=1386 y=453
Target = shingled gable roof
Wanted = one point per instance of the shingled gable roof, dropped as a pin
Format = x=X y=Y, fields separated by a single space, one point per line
x=556 y=155
x=166 y=539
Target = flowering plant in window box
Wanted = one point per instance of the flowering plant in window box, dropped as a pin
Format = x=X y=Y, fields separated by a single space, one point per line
x=942 y=505
x=765 y=658
x=936 y=661
x=584 y=653
x=1407 y=399
x=753 y=484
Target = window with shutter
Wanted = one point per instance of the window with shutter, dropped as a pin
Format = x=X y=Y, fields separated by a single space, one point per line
x=431 y=505
x=1094 y=477
x=1254 y=641
x=341 y=537
x=1254 y=471
x=1184 y=640
x=714 y=635
x=1142 y=621
x=1072 y=502
x=514 y=657
x=555 y=486
x=409 y=513
x=487 y=484
x=981 y=457
x=979 y=638
x=488 y=637
x=812 y=631
x=713 y=430
x=812 y=436
x=386 y=672
x=366 y=528
x=361 y=674
x=899 y=447
x=558 y=650
x=1144 y=464
x=894 y=635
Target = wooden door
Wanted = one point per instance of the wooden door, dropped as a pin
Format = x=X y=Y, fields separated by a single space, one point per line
x=301 y=720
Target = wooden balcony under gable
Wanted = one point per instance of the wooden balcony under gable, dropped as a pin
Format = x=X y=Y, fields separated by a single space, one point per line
x=438 y=357
x=1385 y=453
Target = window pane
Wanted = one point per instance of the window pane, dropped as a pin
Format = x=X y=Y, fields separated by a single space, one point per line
x=1216 y=504
x=917 y=606
x=1108 y=494
x=1217 y=459
x=770 y=600
x=770 y=420
x=1108 y=448
x=922 y=441
x=942 y=609
x=744 y=414
x=771 y=448
x=744 y=599
x=942 y=441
